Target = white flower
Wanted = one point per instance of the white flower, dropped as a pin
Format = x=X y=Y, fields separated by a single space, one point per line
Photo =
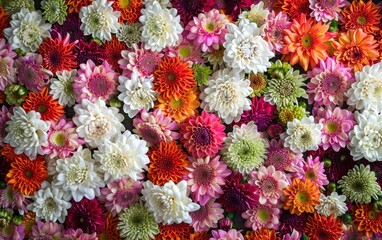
x=26 y=132
x=99 y=20
x=96 y=122
x=366 y=137
x=257 y=14
x=161 y=27
x=163 y=3
x=366 y=91
x=50 y=203
x=79 y=176
x=27 y=31
x=136 y=94
x=302 y=135
x=245 y=49
x=226 y=94
x=125 y=156
x=62 y=87
x=169 y=203
x=333 y=204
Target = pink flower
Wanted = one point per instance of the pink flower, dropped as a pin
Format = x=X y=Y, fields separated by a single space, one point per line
x=337 y=125
x=312 y=169
x=273 y=33
x=95 y=82
x=229 y=235
x=46 y=230
x=207 y=31
x=262 y=216
x=295 y=235
x=15 y=200
x=12 y=231
x=7 y=72
x=186 y=52
x=207 y=216
x=282 y=158
x=3 y=119
x=326 y=10
x=71 y=234
x=270 y=184
x=275 y=130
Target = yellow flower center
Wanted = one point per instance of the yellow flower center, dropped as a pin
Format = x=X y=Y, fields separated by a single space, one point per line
x=124 y=3
x=185 y=51
x=372 y=215
x=302 y=197
x=176 y=103
x=210 y=27
x=331 y=127
x=361 y=20
x=307 y=41
x=263 y=215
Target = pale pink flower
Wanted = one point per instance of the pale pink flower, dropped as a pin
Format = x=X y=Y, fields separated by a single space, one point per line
x=15 y=200
x=231 y=234
x=295 y=235
x=7 y=72
x=312 y=169
x=326 y=10
x=207 y=216
x=46 y=230
x=71 y=234
x=186 y=52
x=262 y=216
x=282 y=158
x=274 y=30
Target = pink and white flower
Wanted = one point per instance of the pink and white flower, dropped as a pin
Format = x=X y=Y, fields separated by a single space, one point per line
x=7 y=72
x=326 y=10
x=207 y=216
x=313 y=169
x=262 y=216
x=273 y=32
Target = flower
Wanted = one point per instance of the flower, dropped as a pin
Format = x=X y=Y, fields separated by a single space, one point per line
x=332 y=204
x=78 y=175
x=99 y=20
x=85 y=51
x=305 y=42
x=341 y=163
x=130 y=33
x=256 y=14
x=161 y=27
x=7 y=71
x=367 y=220
x=5 y=18
x=205 y=178
x=167 y=162
x=283 y=159
x=274 y=30
x=71 y=234
x=50 y=203
x=186 y=52
x=270 y=184
x=262 y=216
x=321 y=227
x=174 y=231
x=169 y=203
x=245 y=49
x=263 y=233
x=302 y=135
x=289 y=112
x=207 y=31
x=301 y=196
x=47 y=230
x=187 y=10
x=326 y=10
x=230 y=234
x=202 y=136
x=201 y=74
x=130 y=11
x=110 y=230
x=207 y=216
x=54 y=10
x=113 y=49
x=26 y=132
x=294 y=8
x=312 y=169
x=96 y=122
x=360 y=184
x=27 y=30
x=74 y=6
x=136 y=222
x=289 y=222
x=71 y=25
x=226 y=94
x=61 y=88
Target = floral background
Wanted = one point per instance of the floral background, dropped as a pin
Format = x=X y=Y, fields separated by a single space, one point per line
x=203 y=119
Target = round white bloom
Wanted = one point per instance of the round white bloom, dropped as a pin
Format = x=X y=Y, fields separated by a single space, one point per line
x=125 y=156
x=26 y=132
x=303 y=135
x=226 y=94
x=161 y=27
x=50 y=203
x=136 y=94
x=257 y=14
x=366 y=91
x=333 y=204
x=99 y=20
x=62 y=87
x=169 y=203
x=79 y=176
x=366 y=137
x=27 y=31
x=245 y=49
x=163 y=3
x=96 y=122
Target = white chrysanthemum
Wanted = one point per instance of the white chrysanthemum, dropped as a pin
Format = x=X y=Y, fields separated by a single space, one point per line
x=245 y=49
x=79 y=176
x=27 y=31
x=169 y=203
x=161 y=27
x=366 y=137
x=226 y=94
x=99 y=20
x=303 y=135
x=333 y=204
x=26 y=132
x=244 y=148
x=62 y=87
x=50 y=203
x=96 y=122
x=257 y=14
x=125 y=156
x=366 y=91
x=136 y=94
x=163 y=3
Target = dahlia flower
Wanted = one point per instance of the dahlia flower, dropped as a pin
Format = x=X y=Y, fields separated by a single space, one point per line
x=207 y=216
x=186 y=52
x=230 y=234
x=318 y=226
x=332 y=204
x=262 y=216
x=325 y=10
x=256 y=14
x=312 y=169
x=130 y=33
x=54 y=10
x=282 y=158
x=274 y=30
x=46 y=230
x=7 y=71
x=61 y=88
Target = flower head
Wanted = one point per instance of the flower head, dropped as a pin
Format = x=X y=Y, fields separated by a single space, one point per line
x=130 y=33
x=326 y=10
x=54 y=10
x=61 y=88
x=46 y=230
x=174 y=231
x=130 y=11
x=321 y=227
x=71 y=25
x=274 y=30
x=230 y=234
x=262 y=216
x=367 y=220
x=7 y=71
x=207 y=216
x=283 y=159
x=312 y=169
x=332 y=204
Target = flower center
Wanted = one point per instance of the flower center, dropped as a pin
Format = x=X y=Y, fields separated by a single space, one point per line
x=185 y=51
x=124 y=197
x=116 y=162
x=176 y=103
x=151 y=134
x=372 y=139
x=76 y=175
x=210 y=27
x=248 y=49
x=268 y=185
x=203 y=174
x=55 y=59
x=96 y=21
x=307 y=41
x=58 y=138
x=98 y=127
x=310 y=175
x=99 y=85
x=201 y=214
x=29 y=34
x=28 y=173
x=355 y=53
x=331 y=83
x=227 y=94
x=279 y=158
x=302 y=197
x=202 y=136
x=331 y=126
x=147 y=64
x=263 y=215
x=4 y=71
x=372 y=215
x=124 y=3
x=361 y=20
x=141 y=97
x=156 y=26
x=358 y=186
x=171 y=77
x=41 y=108
x=50 y=205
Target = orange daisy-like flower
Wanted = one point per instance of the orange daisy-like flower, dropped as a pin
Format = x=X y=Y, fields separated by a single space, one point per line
x=323 y=228
x=167 y=162
x=76 y=5
x=356 y=49
x=261 y=234
x=110 y=231
x=200 y=236
x=43 y=103
x=26 y=176
x=301 y=196
x=180 y=231
x=293 y=7
x=5 y=18
x=361 y=15
x=305 y=42
x=113 y=49
x=368 y=220
x=130 y=10
x=173 y=78
x=180 y=108
x=8 y=153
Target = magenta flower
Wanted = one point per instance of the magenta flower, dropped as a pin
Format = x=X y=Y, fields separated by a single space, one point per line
x=274 y=31
x=226 y=235
x=71 y=234
x=46 y=230
x=207 y=216
x=12 y=231
x=262 y=216
x=7 y=72
x=72 y=26
x=85 y=51
x=326 y=10
x=282 y=158
x=312 y=169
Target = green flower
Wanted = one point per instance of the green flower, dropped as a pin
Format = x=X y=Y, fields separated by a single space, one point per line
x=15 y=94
x=360 y=185
x=15 y=6
x=290 y=112
x=137 y=223
x=201 y=74
x=279 y=69
x=54 y=10
x=130 y=33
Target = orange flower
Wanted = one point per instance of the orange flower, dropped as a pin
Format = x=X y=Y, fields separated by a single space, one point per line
x=356 y=49
x=368 y=220
x=113 y=52
x=361 y=16
x=26 y=176
x=200 y=236
x=76 y=5
x=261 y=234
x=173 y=78
x=180 y=231
x=9 y=154
x=293 y=7
x=29 y=219
x=323 y=228
x=167 y=162
x=305 y=42
x=43 y=103
x=301 y=196
x=130 y=10
x=4 y=21
x=110 y=231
